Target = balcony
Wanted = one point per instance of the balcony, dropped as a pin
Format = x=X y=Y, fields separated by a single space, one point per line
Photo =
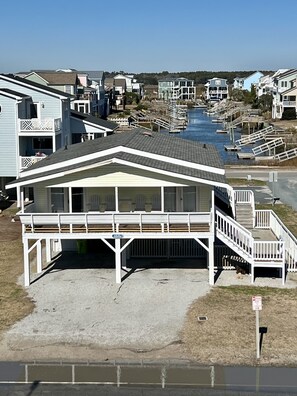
x=35 y=125
x=120 y=224
x=289 y=103
x=25 y=162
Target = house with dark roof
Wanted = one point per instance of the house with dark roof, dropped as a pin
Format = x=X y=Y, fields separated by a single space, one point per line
x=144 y=194
x=36 y=120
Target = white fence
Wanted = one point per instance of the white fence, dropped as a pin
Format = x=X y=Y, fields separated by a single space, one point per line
x=25 y=162
x=36 y=124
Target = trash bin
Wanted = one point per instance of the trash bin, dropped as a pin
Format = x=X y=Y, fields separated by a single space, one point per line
x=82 y=246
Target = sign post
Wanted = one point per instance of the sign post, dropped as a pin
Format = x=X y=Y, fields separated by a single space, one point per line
x=257 y=306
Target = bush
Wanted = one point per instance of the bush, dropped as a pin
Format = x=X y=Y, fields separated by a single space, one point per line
x=289 y=114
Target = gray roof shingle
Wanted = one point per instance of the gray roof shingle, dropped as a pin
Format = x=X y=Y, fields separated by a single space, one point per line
x=145 y=142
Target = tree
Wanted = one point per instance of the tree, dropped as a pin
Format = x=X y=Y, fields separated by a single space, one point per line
x=265 y=102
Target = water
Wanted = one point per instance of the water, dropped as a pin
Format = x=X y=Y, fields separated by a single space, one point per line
x=201 y=128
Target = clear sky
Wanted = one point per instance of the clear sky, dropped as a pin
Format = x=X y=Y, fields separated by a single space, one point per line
x=148 y=36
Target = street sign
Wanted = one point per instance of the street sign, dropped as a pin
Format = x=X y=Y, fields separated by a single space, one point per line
x=257 y=303
x=117 y=236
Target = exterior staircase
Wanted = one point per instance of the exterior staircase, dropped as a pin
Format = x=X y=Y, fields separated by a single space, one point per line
x=244 y=215
x=237 y=233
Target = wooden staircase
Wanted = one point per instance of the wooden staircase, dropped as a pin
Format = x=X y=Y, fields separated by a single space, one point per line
x=244 y=215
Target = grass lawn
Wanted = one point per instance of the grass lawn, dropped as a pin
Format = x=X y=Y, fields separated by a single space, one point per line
x=14 y=303
x=228 y=336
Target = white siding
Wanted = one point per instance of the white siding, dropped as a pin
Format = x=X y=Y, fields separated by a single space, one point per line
x=41 y=199
x=204 y=199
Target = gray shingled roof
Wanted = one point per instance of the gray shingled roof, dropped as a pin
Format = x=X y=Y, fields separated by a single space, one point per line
x=11 y=92
x=138 y=139
x=59 y=78
x=36 y=85
x=93 y=74
x=94 y=120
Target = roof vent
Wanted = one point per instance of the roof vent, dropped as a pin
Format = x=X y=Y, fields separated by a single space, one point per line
x=147 y=134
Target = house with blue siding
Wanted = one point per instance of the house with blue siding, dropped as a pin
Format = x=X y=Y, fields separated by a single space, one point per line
x=35 y=122
x=247 y=82
x=216 y=89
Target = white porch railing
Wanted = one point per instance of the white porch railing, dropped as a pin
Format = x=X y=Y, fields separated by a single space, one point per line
x=289 y=103
x=120 y=121
x=269 y=220
x=244 y=196
x=37 y=125
x=243 y=243
x=25 y=162
x=234 y=235
x=115 y=221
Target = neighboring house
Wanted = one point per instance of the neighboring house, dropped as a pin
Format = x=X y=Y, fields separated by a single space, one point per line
x=216 y=89
x=67 y=82
x=35 y=121
x=87 y=87
x=96 y=80
x=83 y=100
x=145 y=194
x=284 y=93
x=247 y=82
x=119 y=91
x=176 y=89
x=265 y=86
x=87 y=127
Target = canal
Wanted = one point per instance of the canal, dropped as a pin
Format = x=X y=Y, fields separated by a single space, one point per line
x=201 y=128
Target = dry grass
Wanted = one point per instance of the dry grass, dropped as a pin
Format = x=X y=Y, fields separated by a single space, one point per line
x=228 y=336
x=14 y=302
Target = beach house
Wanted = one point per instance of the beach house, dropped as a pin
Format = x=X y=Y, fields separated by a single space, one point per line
x=145 y=194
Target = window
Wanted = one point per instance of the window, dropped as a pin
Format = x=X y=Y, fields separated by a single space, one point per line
x=33 y=110
x=189 y=199
x=170 y=199
x=57 y=199
x=42 y=143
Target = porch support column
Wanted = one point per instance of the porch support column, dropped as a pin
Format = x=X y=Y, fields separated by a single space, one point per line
x=211 y=260
x=118 y=260
x=124 y=259
x=18 y=197
x=26 y=263
x=252 y=273
x=48 y=250
x=39 y=256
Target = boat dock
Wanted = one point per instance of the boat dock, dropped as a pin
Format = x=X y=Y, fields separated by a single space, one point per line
x=245 y=156
x=232 y=147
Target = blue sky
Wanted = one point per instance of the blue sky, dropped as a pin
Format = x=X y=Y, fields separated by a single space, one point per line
x=148 y=36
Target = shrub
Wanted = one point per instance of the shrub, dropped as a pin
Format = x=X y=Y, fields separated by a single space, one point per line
x=289 y=114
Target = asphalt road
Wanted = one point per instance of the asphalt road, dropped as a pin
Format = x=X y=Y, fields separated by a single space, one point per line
x=284 y=185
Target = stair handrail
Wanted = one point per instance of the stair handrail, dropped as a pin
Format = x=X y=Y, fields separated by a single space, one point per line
x=235 y=233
